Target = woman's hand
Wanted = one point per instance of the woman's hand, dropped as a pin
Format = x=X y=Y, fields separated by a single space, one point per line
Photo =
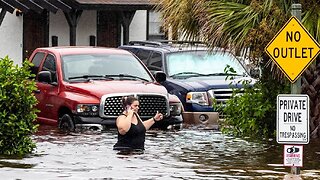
x=158 y=116
x=148 y=123
x=130 y=111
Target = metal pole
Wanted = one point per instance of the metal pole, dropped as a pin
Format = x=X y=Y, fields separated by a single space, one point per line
x=296 y=87
x=296 y=11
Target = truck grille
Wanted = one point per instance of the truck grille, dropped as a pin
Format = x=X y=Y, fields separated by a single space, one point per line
x=221 y=95
x=149 y=104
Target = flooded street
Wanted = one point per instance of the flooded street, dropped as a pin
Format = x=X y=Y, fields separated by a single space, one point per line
x=184 y=154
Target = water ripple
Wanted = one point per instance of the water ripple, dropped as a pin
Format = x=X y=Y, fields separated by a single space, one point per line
x=184 y=154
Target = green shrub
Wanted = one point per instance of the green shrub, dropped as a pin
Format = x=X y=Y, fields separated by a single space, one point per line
x=18 y=112
x=253 y=114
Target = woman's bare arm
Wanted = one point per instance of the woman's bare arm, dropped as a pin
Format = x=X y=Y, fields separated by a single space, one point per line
x=148 y=123
x=124 y=122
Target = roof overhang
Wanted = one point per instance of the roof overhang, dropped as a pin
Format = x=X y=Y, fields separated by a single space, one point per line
x=67 y=5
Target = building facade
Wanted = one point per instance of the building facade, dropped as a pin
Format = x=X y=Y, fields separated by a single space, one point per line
x=26 y=25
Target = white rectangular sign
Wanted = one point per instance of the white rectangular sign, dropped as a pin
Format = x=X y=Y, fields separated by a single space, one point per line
x=293 y=119
x=293 y=155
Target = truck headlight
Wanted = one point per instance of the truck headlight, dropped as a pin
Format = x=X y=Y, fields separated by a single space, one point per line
x=175 y=109
x=198 y=98
x=88 y=109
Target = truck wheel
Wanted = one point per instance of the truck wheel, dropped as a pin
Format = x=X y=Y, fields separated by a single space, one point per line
x=171 y=127
x=66 y=123
x=164 y=126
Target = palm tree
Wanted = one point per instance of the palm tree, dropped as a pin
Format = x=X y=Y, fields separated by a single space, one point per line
x=247 y=25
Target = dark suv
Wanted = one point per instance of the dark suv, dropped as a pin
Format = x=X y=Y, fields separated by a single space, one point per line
x=194 y=74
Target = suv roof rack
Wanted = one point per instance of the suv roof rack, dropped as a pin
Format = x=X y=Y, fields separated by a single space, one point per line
x=145 y=43
x=181 y=42
x=165 y=43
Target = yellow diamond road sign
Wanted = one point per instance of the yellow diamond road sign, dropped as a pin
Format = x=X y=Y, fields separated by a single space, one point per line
x=293 y=49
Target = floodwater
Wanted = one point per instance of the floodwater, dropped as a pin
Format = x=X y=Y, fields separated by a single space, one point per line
x=184 y=154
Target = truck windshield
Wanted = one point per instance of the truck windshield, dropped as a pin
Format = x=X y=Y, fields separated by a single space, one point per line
x=201 y=63
x=103 y=65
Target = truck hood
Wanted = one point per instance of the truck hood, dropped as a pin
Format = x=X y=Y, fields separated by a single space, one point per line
x=207 y=83
x=99 y=88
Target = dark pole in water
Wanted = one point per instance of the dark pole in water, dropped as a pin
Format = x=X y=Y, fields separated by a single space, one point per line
x=296 y=87
x=296 y=11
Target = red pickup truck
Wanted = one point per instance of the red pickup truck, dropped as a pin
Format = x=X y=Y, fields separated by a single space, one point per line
x=80 y=86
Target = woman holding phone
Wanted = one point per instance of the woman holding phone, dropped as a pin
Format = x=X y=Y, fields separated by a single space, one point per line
x=131 y=129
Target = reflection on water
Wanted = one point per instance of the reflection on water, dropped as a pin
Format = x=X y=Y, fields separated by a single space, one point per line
x=184 y=154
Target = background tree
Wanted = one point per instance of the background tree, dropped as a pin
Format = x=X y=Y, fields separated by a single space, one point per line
x=246 y=26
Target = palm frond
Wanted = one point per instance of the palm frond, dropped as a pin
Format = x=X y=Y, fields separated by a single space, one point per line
x=236 y=24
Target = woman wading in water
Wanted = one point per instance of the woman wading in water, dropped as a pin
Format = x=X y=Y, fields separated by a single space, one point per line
x=131 y=129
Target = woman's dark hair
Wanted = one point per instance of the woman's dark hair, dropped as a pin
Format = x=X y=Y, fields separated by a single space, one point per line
x=128 y=100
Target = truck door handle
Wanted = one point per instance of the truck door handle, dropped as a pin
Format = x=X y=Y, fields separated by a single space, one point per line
x=37 y=91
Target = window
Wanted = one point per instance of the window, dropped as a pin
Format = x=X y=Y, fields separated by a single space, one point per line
x=143 y=55
x=155 y=27
x=202 y=62
x=133 y=50
x=36 y=61
x=155 y=62
x=50 y=65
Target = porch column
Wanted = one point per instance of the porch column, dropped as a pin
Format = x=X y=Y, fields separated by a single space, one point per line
x=126 y=19
x=73 y=19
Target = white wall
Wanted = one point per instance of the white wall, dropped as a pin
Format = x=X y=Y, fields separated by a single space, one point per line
x=11 y=37
x=58 y=26
x=138 y=26
x=11 y=31
x=86 y=27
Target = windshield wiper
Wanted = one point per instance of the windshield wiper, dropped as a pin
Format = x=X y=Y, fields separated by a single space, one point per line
x=88 y=77
x=195 y=74
x=221 y=74
x=186 y=73
x=126 y=76
x=108 y=76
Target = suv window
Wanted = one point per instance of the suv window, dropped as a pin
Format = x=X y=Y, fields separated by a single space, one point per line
x=50 y=65
x=37 y=61
x=133 y=50
x=155 y=62
x=201 y=62
x=143 y=55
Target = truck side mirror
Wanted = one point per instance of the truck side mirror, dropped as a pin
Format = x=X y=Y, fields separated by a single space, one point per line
x=160 y=76
x=45 y=76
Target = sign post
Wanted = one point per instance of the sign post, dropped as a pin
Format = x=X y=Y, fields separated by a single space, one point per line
x=293 y=49
x=296 y=11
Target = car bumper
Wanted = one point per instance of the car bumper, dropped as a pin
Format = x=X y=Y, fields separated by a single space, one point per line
x=208 y=119
x=94 y=120
x=112 y=122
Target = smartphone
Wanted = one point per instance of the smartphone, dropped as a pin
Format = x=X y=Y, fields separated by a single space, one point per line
x=128 y=107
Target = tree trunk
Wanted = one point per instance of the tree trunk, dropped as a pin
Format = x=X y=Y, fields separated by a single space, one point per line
x=311 y=86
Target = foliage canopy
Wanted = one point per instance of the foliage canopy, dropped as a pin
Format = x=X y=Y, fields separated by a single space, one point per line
x=244 y=27
x=18 y=111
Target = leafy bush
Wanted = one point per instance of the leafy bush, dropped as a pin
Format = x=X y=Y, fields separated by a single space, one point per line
x=252 y=114
x=18 y=111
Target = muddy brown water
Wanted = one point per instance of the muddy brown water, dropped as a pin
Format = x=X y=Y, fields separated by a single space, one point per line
x=185 y=154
